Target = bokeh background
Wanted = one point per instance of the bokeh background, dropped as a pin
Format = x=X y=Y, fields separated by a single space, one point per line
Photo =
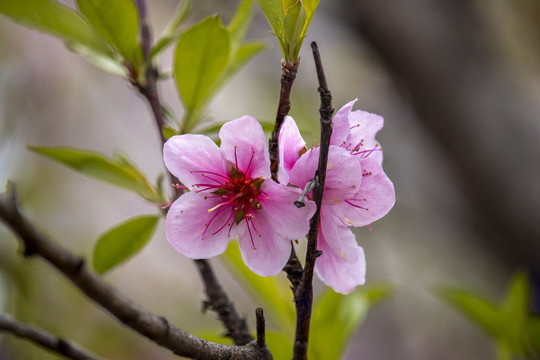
x=458 y=83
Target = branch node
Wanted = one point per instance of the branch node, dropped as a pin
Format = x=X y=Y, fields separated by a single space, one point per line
x=79 y=266
x=28 y=251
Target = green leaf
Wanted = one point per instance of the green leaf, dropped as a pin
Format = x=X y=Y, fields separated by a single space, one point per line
x=511 y=325
x=122 y=242
x=117 y=22
x=118 y=171
x=533 y=334
x=168 y=132
x=201 y=58
x=295 y=19
x=274 y=295
x=336 y=317
x=310 y=6
x=482 y=311
x=104 y=62
x=172 y=30
x=515 y=313
x=56 y=19
x=240 y=23
x=245 y=53
x=272 y=10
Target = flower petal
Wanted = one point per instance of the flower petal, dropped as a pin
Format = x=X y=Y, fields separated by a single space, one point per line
x=374 y=200
x=263 y=250
x=290 y=144
x=288 y=220
x=343 y=173
x=188 y=156
x=337 y=272
x=364 y=127
x=194 y=231
x=337 y=234
x=341 y=128
x=244 y=144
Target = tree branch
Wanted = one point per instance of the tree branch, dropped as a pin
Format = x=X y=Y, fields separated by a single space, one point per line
x=219 y=302
x=155 y=328
x=43 y=338
x=303 y=297
x=287 y=78
x=217 y=298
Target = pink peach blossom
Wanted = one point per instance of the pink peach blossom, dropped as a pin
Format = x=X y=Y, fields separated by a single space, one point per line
x=232 y=196
x=357 y=191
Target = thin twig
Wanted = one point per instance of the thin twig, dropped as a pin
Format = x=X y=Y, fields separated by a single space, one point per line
x=288 y=75
x=217 y=297
x=261 y=325
x=303 y=296
x=219 y=302
x=41 y=337
x=155 y=328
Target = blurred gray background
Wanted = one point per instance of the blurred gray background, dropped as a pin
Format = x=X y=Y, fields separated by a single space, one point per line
x=458 y=85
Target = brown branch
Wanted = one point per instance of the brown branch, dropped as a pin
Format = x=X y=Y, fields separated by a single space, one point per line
x=294 y=270
x=261 y=324
x=39 y=336
x=155 y=328
x=303 y=297
x=287 y=78
x=217 y=298
x=219 y=302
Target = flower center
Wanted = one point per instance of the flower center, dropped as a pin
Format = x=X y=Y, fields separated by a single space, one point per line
x=237 y=195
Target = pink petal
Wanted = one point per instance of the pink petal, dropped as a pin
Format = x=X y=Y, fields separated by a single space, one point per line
x=343 y=173
x=188 y=156
x=338 y=273
x=336 y=234
x=187 y=221
x=290 y=144
x=263 y=250
x=341 y=128
x=288 y=220
x=376 y=195
x=364 y=127
x=243 y=142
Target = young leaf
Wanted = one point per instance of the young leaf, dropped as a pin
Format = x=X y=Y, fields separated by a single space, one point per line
x=240 y=23
x=295 y=19
x=172 y=30
x=272 y=10
x=56 y=19
x=337 y=316
x=106 y=63
x=118 y=171
x=122 y=242
x=201 y=58
x=310 y=6
x=482 y=311
x=117 y=22
x=245 y=53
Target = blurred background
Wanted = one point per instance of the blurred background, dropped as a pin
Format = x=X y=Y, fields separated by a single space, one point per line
x=458 y=83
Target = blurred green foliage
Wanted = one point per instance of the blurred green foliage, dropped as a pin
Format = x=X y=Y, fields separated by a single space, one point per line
x=515 y=331
x=334 y=320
